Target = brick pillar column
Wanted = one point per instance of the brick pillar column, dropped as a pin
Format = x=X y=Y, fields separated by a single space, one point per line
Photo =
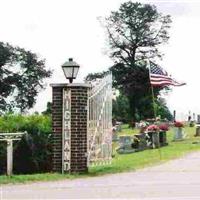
x=57 y=128
x=69 y=123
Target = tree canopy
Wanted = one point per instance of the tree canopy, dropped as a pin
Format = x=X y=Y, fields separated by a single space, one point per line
x=135 y=33
x=22 y=75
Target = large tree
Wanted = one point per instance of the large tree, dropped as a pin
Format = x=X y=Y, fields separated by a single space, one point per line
x=22 y=76
x=135 y=33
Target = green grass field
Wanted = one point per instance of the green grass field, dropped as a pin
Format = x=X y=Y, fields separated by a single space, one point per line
x=124 y=162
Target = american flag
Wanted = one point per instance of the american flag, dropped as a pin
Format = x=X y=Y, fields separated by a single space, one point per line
x=159 y=77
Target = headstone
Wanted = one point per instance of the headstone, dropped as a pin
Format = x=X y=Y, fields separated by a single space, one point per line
x=125 y=141
x=197 y=130
x=163 y=138
x=118 y=126
x=114 y=134
x=198 y=119
x=154 y=141
x=194 y=117
x=198 y=126
x=125 y=145
x=178 y=134
x=140 y=142
x=137 y=125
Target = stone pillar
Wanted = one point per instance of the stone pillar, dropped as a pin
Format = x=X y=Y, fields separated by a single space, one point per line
x=69 y=123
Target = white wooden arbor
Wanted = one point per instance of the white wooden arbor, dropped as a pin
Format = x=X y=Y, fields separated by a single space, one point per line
x=9 y=138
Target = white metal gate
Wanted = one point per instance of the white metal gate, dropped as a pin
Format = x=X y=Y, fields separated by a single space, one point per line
x=100 y=122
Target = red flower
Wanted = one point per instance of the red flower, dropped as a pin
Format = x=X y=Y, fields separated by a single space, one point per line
x=178 y=124
x=152 y=127
x=164 y=127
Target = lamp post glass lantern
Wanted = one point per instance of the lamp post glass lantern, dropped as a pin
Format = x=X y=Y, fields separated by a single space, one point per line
x=70 y=69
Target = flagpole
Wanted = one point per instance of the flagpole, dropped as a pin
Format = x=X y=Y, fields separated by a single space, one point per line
x=154 y=104
x=152 y=93
x=154 y=107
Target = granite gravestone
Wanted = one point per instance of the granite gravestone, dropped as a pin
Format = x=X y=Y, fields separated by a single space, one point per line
x=125 y=145
x=198 y=126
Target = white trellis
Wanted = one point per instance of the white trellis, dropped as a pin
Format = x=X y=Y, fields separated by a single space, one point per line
x=100 y=121
x=9 y=138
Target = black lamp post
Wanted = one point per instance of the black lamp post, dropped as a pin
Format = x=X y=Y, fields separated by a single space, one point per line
x=70 y=69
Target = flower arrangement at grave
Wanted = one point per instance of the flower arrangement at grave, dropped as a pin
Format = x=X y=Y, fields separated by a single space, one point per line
x=178 y=124
x=143 y=125
x=152 y=133
x=152 y=128
x=163 y=127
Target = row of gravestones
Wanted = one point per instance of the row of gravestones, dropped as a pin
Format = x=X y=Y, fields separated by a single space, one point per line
x=198 y=126
x=142 y=141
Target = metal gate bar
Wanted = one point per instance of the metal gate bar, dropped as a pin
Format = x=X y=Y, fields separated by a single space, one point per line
x=100 y=122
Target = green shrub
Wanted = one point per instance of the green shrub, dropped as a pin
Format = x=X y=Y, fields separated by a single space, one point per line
x=33 y=153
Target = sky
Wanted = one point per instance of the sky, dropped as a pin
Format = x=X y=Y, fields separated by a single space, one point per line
x=59 y=29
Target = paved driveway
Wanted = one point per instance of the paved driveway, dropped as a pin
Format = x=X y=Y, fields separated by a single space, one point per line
x=175 y=180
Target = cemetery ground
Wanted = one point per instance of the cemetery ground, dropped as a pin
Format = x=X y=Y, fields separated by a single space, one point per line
x=124 y=162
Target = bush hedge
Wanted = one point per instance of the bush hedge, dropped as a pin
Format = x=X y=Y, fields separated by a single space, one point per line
x=33 y=153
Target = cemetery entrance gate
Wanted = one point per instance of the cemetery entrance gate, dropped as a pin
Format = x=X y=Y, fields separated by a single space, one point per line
x=100 y=122
x=82 y=125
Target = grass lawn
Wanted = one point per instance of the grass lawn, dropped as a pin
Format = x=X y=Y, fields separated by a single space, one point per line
x=124 y=162
x=131 y=162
